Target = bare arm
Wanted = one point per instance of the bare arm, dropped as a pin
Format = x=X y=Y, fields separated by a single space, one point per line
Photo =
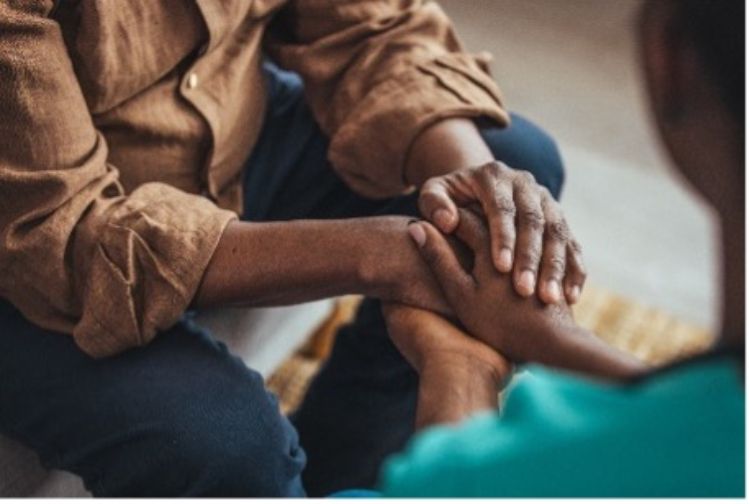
x=445 y=147
x=577 y=349
x=454 y=392
x=459 y=376
x=277 y=263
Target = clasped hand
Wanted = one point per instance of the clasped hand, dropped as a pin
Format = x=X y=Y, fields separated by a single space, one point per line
x=494 y=322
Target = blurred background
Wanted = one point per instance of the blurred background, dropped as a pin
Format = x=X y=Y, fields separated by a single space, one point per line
x=572 y=67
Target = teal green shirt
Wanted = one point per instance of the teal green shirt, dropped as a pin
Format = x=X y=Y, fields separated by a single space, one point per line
x=680 y=432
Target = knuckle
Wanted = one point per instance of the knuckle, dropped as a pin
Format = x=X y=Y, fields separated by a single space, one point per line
x=488 y=174
x=555 y=267
x=557 y=231
x=529 y=259
x=505 y=205
x=525 y=178
x=532 y=219
x=490 y=170
x=462 y=181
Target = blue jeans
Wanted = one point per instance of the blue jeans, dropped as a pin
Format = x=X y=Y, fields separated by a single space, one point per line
x=182 y=416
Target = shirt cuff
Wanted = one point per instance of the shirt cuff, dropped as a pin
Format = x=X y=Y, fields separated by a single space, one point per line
x=145 y=266
x=369 y=150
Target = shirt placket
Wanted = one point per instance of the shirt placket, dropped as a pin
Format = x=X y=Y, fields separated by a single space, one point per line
x=193 y=90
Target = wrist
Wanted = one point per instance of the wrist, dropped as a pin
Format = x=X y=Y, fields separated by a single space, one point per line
x=443 y=147
x=382 y=243
x=574 y=348
x=451 y=391
x=488 y=370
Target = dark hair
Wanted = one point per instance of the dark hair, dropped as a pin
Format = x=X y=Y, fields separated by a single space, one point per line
x=717 y=29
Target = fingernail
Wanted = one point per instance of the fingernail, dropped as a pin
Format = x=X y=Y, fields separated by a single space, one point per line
x=506 y=260
x=553 y=289
x=527 y=281
x=442 y=218
x=417 y=233
x=575 y=293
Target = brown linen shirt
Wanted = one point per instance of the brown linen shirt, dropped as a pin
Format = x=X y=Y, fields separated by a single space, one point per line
x=124 y=126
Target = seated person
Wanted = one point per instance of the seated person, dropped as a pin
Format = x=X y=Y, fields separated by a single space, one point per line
x=602 y=424
x=162 y=157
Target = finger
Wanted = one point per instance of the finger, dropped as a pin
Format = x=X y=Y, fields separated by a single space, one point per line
x=530 y=220
x=472 y=231
x=437 y=206
x=437 y=253
x=556 y=236
x=575 y=274
x=496 y=197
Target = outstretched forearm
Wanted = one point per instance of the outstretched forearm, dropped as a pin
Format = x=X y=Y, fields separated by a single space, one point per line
x=281 y=263
x=453 y=392
x=576 y=349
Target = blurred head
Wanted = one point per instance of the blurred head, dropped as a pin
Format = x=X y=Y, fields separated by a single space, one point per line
x=693 y=55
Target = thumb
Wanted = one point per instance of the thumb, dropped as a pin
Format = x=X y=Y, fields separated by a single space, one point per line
x=455 y=283
x=437 y=206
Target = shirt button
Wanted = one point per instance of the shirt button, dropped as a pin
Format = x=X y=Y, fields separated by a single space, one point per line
x=192 y=80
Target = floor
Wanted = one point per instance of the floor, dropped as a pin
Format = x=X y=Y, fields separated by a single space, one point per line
x=571 y=66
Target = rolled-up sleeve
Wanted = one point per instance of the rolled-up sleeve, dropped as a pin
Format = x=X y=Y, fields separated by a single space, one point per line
x=77 y=255
x=377 y=73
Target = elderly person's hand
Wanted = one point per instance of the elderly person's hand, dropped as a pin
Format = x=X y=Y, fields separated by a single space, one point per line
x=528 y=232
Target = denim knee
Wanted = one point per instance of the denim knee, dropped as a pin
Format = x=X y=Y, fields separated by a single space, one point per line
x=244 y=448
x=526 y=146
x=211 y=430
x=240 y=449
x=237 y=461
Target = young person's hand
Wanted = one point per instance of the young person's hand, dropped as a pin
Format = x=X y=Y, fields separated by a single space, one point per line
x=484 y=299
x=459 y=376
x=522 y=329
x=427 y=340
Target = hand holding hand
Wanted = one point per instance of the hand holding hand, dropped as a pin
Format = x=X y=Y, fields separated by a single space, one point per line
x=397 y=269
x=520 y=329
x=529 y=235
x=484 y=299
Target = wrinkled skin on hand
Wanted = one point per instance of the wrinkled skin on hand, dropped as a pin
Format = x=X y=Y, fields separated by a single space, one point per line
x=528 y=232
